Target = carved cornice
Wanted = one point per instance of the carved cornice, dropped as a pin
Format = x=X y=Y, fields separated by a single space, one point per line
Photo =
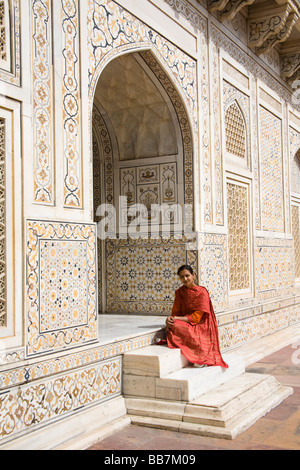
x=266 y=22
x=270 y=23
x=290 y=64
x=228 y=8
x=281 y=36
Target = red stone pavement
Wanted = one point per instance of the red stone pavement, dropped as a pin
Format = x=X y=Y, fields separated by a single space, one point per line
x=278 y=430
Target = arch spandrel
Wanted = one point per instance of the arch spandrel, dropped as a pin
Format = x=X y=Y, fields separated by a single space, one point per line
x=113 y=31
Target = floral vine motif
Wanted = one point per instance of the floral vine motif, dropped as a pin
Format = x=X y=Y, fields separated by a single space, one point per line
x=41 y=404
x=260 y=31
x=71 y=108
x=42 y=102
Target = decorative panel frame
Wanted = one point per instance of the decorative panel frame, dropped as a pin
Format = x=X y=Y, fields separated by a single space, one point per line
x=213 y=268
x=72 y=147
x=11 y=72
x=42 y=102
x=240 y=240
x=5 y=39
x=112 y=29
x=11 y=332
x=271 y=176
x=60 y=286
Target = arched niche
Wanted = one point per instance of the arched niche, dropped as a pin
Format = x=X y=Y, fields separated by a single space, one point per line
x=143 y=152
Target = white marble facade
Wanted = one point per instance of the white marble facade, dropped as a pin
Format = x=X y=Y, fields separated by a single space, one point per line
x=159 y=102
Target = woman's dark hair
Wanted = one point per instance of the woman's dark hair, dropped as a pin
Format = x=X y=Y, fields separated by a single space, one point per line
x=187 y=267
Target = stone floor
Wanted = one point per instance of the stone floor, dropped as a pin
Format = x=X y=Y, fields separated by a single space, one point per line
x=278 y=430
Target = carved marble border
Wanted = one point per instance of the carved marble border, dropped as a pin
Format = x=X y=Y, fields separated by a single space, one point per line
x=14 y=77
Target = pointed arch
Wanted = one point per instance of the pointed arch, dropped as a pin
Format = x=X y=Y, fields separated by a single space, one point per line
x=295 y=190
x=236 y=131
x=108 y=107
x=181 y=108
x=295 y=173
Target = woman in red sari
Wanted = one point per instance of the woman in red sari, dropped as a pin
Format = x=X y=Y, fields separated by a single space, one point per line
x=192 y=327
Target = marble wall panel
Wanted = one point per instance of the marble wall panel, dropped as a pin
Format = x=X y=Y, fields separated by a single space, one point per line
x=237 y=121
x=40 y=403
x=271 y=165
x=213 y=268
x=274 y=267
x=60 y=286
x=247 y=325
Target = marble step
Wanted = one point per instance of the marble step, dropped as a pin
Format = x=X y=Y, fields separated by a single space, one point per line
x=184 y=384
x=153 y=361
x=223 y=413
x=224 y=404
x=215 y=408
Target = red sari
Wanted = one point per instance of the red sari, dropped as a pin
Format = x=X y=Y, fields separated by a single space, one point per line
x=198 y=339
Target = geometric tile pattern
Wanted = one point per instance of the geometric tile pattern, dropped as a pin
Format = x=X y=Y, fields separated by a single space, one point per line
x=213 y=268
x=235 y=131
x=238 y=237
x=296 y=236
x=274 y=267
x=63 y=284
x=61 y=290
x=142 y=274
x=271 y=171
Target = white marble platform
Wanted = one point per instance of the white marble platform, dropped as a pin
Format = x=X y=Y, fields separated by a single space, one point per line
x=114 y=327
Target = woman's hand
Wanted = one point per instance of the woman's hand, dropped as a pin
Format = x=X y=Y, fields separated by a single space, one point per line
x=169 y=323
